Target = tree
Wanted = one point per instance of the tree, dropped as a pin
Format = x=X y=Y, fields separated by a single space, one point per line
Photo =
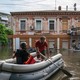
x=9 y=31
x=4 y=32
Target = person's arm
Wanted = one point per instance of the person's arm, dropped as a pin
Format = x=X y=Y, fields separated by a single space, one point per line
x=47 y=50
x=37 y=49
x=14 y=54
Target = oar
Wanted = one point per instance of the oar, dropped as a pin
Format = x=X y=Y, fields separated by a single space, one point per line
x=63 y=70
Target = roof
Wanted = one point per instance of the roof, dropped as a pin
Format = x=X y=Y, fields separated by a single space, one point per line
x=46 y=12
x=4 y=13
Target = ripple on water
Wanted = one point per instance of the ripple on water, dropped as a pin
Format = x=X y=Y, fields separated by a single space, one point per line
x=75 y=78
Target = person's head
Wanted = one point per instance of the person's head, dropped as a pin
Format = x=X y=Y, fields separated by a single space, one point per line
x=42 y=39
x=72 y=26
x=73 y=41
x=23 y=46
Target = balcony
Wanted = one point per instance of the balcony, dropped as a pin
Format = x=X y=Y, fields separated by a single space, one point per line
x=40 y=32
x=33 y=32
x=74 y=32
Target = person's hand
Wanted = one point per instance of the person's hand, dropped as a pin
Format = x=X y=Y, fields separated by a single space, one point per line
x=38 y=52
x=48 y=55
x=13 y=55
x=14 y=51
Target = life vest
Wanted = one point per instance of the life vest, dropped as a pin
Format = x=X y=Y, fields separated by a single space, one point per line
x=31 y=60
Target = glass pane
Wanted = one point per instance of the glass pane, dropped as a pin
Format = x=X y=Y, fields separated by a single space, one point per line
x=51 y=25
x=38 y=24
x=65 y=44
x=23 y=24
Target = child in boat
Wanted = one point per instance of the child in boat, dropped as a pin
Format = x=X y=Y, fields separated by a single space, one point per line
x=22 y=55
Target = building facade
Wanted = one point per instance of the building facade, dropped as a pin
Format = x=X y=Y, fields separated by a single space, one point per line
x=29 y=26
x=5 y=19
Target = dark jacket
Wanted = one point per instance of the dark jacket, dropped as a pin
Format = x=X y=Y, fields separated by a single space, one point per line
x=21 y=56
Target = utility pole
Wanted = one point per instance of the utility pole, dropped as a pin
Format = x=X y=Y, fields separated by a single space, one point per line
x=74 y=6
x=55 y=4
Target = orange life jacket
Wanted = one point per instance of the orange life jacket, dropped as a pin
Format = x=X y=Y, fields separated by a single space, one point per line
x=31 y=60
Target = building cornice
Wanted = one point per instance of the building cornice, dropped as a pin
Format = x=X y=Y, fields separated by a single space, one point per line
x=46 y=13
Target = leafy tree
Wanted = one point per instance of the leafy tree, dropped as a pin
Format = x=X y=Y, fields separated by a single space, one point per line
x=4 y=32
x=9 y=31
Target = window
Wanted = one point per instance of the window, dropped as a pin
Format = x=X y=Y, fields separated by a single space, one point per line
x=65 y=44
x=51 y=44
x=64 y=24
x=51 y=24
x=22 y=24
x=38 y=25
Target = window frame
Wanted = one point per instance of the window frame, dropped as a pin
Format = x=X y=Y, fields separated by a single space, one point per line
x=49 y=24
x=20 y=24
x=36 y=26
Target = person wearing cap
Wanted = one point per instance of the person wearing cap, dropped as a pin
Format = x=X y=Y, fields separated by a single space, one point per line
x=41 y=47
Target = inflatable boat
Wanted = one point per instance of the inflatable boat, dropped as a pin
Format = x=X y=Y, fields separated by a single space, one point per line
x=38 y=71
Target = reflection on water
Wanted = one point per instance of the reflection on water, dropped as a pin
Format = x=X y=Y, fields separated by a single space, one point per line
x=5 y=53
x=72 y=62
x=71 y=59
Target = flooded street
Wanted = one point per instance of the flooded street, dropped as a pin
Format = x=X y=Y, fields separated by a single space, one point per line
x=72 y=64
x=71 y=59
x=5 y=53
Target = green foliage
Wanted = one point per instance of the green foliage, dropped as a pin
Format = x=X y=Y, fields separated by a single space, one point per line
x=9 y=31
x=2 y=29
x=4 y=32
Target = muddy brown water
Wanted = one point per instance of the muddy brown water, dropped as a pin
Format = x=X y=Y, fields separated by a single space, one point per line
x=71 y=59
x=72 y=64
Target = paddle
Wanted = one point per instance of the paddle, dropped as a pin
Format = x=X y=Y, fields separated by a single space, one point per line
x=63 y=70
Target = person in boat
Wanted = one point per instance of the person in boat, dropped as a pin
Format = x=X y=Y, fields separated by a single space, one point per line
x=22 y=56
x=74 y=45
x=30 y=49
x=41 y=47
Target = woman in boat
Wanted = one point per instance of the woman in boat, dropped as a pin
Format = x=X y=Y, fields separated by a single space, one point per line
x=41 y=47
x=22 y=56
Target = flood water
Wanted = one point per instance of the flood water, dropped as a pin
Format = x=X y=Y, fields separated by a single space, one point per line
x=5 y=53
x=72 y=64
x=71 y=59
